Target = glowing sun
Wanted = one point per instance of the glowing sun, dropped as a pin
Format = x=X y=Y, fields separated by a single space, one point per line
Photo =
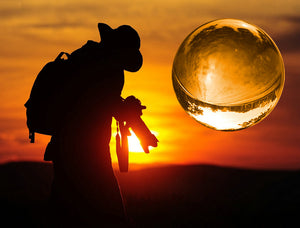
x=228 y=74
x=134 y=144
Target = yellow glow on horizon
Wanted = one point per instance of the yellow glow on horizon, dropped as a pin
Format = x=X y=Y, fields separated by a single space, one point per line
x=134 y=143
x=136 y=152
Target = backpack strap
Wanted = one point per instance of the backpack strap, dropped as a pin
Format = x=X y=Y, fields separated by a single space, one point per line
x=61 y=54
x=122 y=145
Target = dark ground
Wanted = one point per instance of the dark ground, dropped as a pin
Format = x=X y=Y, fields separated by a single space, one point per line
x=171 y=196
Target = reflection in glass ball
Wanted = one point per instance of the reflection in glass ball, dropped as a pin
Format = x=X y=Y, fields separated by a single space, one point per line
x=228 y=74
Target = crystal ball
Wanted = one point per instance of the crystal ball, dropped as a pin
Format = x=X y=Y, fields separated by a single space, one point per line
x=228 y=74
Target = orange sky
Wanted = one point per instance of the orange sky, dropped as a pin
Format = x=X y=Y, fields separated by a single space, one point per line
x=33 y=32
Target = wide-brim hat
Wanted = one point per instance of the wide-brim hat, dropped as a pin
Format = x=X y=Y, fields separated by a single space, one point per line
x=126 y=39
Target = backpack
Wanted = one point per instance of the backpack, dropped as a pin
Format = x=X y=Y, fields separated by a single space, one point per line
x=45 y=108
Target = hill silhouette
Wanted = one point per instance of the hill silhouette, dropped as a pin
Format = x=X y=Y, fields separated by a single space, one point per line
x=169 y=196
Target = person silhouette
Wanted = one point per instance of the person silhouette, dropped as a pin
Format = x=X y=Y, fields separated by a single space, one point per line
x=85 y=191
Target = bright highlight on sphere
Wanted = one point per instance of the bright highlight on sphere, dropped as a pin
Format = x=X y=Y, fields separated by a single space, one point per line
x=228 y=75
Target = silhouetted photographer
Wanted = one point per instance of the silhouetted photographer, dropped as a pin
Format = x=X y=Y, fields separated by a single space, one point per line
x=74 y=100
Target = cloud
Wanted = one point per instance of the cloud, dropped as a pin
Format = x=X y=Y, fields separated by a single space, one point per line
x=22 y=140
x=289 y=41
x=292 y=18
x=12 y=131
x=11 y=124
x=3 y=140
x=57 y=25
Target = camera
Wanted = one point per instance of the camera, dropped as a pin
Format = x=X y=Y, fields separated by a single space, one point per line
x=131 y=117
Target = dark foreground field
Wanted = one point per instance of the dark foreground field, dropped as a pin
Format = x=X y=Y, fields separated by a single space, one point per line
x=173 y=196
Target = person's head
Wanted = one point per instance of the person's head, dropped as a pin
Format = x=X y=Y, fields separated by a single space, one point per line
x=124 y=42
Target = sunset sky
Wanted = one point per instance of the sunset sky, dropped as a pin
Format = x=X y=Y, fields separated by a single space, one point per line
x=33 y=32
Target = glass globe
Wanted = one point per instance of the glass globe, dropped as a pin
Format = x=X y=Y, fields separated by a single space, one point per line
x=228 y=75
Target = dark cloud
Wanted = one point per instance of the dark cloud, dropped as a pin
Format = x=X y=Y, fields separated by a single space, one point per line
x=290 y=40
x=3 y=140
x=13 y=130
x=57 y=25
x=22 y=140
x=290 y=99
x=292 y=18
x=53 y=17
x=69 y=11
x=9 y=69
x=11 y=124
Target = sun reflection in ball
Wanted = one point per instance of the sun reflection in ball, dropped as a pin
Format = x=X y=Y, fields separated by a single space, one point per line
x=228 y=74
